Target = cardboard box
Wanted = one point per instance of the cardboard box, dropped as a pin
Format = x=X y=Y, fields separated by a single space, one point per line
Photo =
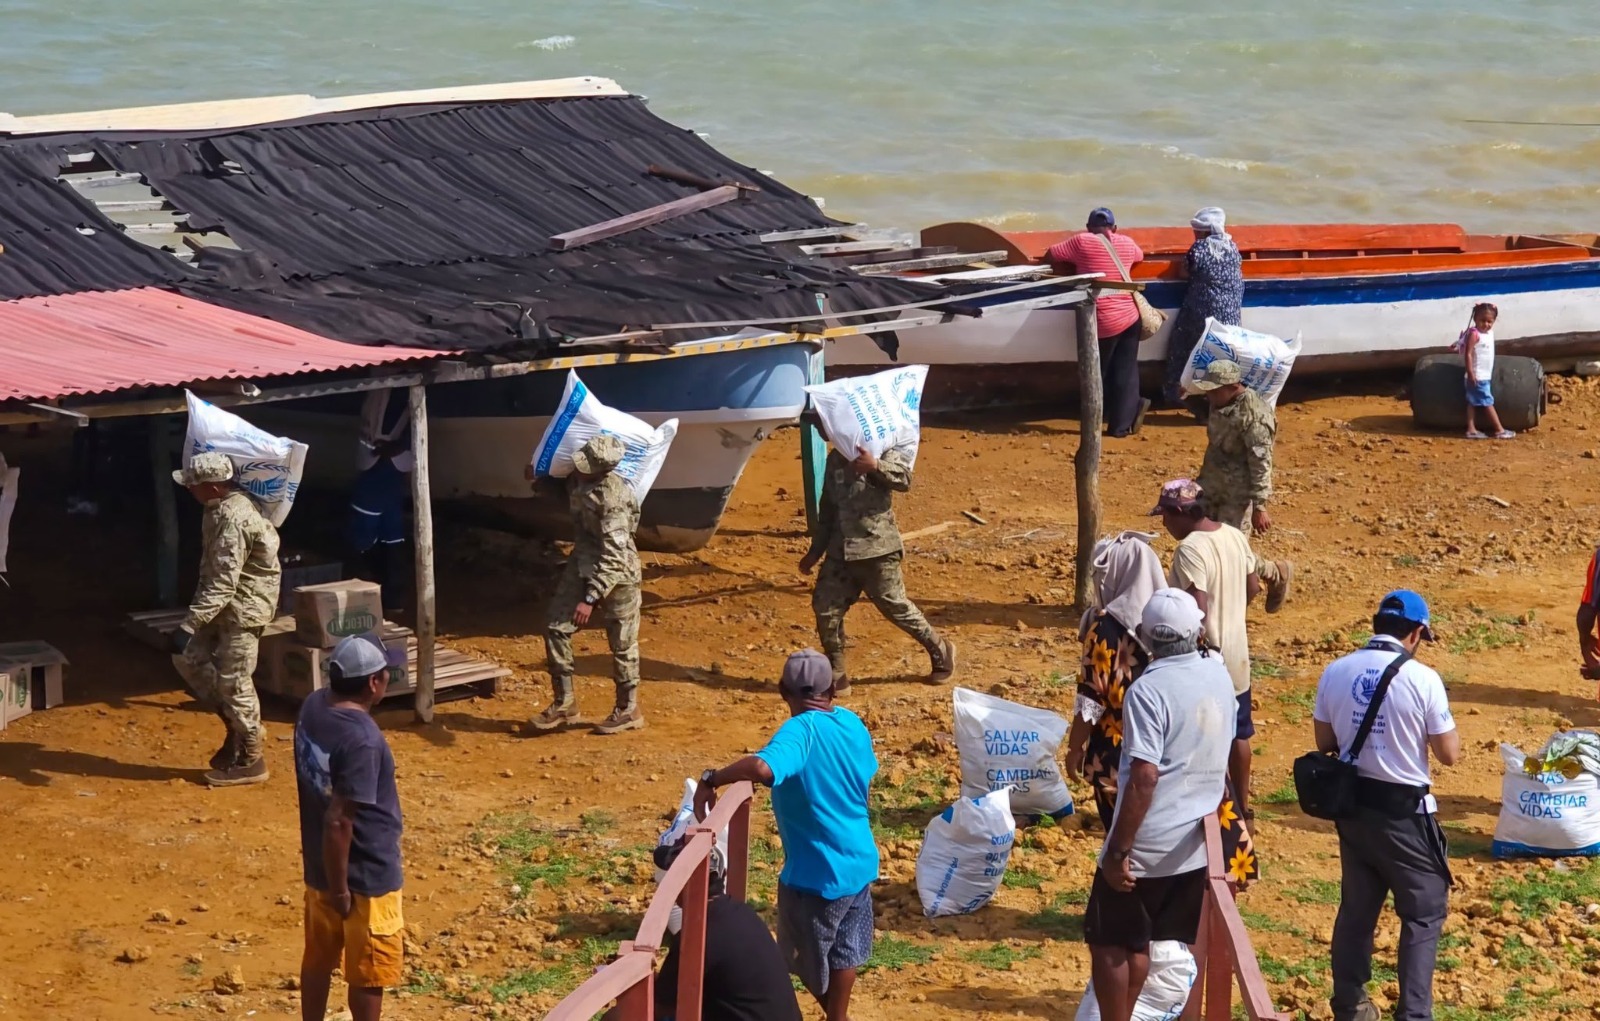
x=45 y=664
x=16 y=694
x=325 y=613
x=300 y=570
x=299 y=669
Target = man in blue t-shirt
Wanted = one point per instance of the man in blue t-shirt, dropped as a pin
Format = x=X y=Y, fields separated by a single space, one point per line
x=820 y=766
x=349 y=835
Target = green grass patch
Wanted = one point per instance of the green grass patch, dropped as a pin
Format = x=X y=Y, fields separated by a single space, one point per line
x=1544 y=888
x=1452 y=941
x=191 y=968
x=597 y=820
x=1255 y=921
x=526 y=853
x=1264 y=668
x=891 y=953
x=1297 y=705
x=1517 y=956
x=1001 y=957
x=619 y=865
x=1055 y=921
x=1277 y=970
x=1484 y=631
x=1407 y=560
x=901 y=811
x=1284 y=794
x=558 y=978
x=1056 y=679
x=1314 y=891
x=1022 y=879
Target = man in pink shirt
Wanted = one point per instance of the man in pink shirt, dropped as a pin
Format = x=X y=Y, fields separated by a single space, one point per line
x=1100 y=249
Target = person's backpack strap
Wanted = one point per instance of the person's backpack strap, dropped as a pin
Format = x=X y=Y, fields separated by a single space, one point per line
x=1378 y=694
x=1112 y=249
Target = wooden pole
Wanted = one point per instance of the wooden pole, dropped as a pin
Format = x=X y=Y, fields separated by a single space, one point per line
x=1087 y=462
x=166 y=511
x=422 y=510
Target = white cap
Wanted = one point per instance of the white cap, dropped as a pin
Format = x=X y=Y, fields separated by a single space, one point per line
x=359 y=656
x=1171 y=615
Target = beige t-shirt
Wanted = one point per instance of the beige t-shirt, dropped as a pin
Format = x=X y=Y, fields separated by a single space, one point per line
x=1218 y=564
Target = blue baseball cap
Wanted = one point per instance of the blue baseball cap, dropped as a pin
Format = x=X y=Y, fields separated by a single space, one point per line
x=1100 y=216
x=1408 y=606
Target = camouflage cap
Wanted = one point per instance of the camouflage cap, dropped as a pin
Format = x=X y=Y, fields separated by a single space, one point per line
x=601 y=454
x=202 y=468
x=1180 y=495
x=1219 y=373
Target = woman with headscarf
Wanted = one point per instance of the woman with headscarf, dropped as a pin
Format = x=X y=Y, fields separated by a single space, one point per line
x=1216 y=291
x=1127 y=573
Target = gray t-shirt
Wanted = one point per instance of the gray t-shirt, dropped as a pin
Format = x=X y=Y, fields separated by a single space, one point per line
x=1179 y=715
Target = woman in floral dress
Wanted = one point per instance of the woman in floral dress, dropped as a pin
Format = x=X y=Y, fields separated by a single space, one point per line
x=1216 y=291
x=1126 y=573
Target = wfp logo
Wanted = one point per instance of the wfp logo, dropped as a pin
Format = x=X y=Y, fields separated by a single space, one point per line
x=907 y=397
x=265 y=480
x=1365 y=687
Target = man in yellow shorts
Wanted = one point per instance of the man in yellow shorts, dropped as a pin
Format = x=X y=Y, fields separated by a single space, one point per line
x=349 y=836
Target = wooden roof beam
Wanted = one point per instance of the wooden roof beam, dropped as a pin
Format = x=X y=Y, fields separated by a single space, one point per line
x=644 y=218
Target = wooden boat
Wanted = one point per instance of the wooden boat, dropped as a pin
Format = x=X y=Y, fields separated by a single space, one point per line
x=1362 y=297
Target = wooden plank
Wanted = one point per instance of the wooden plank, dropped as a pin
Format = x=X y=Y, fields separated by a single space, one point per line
x=849 y=247
x=422 y=517
x=921 y=533
x=1086 y=463
x=873 y=258
x=933 y=262
x=806 y=234
x=643 y=218
x=695 y=180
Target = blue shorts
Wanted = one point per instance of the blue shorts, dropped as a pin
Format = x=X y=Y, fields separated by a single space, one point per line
x=378 y=506
x=1244 y=723
x=819 y=936
x=1478 y=394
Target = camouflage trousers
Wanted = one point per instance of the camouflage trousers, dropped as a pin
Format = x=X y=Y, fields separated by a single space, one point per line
x=841 y=582
x=618 y=611
x=1232 y=512
x=217 y=665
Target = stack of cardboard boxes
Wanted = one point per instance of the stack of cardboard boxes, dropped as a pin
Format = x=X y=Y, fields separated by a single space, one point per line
x=297 y=663
x=30 y=679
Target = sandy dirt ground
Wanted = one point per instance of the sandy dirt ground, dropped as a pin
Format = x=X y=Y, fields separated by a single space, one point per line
x=130 y=891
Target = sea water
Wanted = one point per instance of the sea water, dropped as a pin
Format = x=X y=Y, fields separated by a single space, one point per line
x=902 y=113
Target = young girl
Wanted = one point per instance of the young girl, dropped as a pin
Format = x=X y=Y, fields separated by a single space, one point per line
x=1477 y=346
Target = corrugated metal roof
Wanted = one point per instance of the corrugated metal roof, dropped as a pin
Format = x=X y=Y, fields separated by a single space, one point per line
x=100 y=341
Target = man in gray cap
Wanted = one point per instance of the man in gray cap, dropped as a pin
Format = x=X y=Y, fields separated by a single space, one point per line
x=215 y=647
x=602 y=571
x=820 y=766
x=1236 y=474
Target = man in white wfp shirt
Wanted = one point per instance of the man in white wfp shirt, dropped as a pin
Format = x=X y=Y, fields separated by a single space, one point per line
x=1393 y=844
x=1177 y=726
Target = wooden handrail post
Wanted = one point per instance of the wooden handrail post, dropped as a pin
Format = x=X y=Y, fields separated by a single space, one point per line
x=1091 y=415
x=738 y=879
x=692 y=942
x=638 y=1001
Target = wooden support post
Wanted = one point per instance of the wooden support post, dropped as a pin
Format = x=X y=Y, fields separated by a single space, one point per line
x=692 y=940
x=1091 y=415
x=166 y=511
x=422 y=511
x=738 y=874
x=813 y=453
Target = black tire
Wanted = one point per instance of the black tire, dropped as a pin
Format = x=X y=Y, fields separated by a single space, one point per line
x=1439 y=399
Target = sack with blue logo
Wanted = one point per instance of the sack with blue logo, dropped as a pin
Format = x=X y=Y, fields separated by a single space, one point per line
x=1009 y=745
x=875 y=413
x=267 y=467
x=1166 y=988
x=580 y=417
x=1550 y=802
x=1264 y=360
x=964 y=854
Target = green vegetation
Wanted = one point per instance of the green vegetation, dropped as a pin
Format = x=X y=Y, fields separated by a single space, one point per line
x=422 y=982
x=597 y=820
x=1022 y=879
x=1056 y=679
x=191 y=968
x=901 y=811
x=999 y=956
x=1255 y=921
x=1407 y=560
x=1297 y=705
x=1543 y=889
x=1314 y=891
x=1284 y=794
x=558 y=979
x=1264 y=668
x=1516 y=955
x=1312 y=969
x=1484 y=631
x=891 y=953
x=1055 y=921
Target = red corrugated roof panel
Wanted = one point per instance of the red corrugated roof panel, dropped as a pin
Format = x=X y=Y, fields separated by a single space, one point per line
x=100 y=341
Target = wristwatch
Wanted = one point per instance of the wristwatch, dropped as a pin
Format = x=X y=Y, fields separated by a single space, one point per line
x=705 y=777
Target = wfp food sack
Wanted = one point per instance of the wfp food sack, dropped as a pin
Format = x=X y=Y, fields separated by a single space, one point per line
x=1550 y=802
x=267 y=467
x=681 y=821
x=580 y=417
x=964 y=854
x=1166 y=989
x=875 y=413
x=1004 y=744
x=1263 y=359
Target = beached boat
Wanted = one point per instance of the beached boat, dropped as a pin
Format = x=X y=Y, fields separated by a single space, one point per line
x=1362 y=298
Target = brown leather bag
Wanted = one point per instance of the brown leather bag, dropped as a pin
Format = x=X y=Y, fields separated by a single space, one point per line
x=1150 y=317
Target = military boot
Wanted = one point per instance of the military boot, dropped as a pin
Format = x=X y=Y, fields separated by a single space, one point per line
x=250 y=767
x=563 y=710
x=626 y=716
x=943 y=661
x=841 y=683
x=228 y=754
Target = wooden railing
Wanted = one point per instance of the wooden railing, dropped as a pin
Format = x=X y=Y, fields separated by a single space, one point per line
x=1223 y=952
x=1222 y=955
x=630 y=979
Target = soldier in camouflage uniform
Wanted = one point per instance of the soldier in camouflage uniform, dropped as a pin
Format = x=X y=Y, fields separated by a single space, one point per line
x=215 y=647
x=602 y=571
x=858 y=542
x=1236 y=475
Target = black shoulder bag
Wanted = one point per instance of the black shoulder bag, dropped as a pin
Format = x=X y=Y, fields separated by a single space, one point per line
x=1329 y=787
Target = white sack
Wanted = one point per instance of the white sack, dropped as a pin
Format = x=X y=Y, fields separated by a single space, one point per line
x=875 y=413
x=1547 y=815
x=267 y=467
x=681 y=821
x=1264 y=360
x=1004 y=744
x=964 y=854
x=580 y=417
x=1172 y=975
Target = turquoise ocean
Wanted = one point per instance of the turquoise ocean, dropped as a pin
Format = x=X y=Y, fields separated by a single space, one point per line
x=1023 y=114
